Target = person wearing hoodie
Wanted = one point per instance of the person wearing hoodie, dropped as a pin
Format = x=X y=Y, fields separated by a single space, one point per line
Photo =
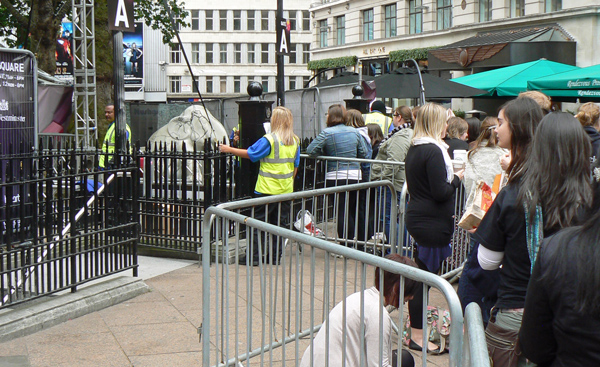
x=589 y=117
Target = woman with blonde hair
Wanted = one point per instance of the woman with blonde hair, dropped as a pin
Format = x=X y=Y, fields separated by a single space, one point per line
x=589 y=117
x=279 y=156
x=432 y=184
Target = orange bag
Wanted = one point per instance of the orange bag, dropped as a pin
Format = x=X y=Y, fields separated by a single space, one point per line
x=484 y=197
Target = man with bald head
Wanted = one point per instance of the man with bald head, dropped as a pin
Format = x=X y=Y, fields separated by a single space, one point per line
x=108 y=145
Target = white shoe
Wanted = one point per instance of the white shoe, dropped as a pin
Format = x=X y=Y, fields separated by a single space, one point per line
x=379 y=236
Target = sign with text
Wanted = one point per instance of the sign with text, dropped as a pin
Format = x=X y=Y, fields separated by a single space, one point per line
x=17 y=99
x=120 y=15
x=18 y=77
x=283 y=37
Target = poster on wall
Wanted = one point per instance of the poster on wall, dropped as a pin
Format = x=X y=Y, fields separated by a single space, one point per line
x=133 y=55
x=17 y=129
x=64 y=52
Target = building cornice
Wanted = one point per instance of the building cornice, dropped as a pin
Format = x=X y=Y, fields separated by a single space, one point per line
x=468 y=29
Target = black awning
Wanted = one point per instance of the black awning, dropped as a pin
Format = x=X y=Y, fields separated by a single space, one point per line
x=500 y=48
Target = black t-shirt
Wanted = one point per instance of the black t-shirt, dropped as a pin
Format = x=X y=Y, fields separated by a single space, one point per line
x=503 y=230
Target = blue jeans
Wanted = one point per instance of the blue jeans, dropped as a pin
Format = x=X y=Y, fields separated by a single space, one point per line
x=386 y=209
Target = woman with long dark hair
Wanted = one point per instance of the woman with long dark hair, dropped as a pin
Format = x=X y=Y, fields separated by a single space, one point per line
x=548 y=184
x=561 y=322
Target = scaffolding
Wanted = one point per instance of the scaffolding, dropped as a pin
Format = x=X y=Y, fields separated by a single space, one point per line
x=84 y=74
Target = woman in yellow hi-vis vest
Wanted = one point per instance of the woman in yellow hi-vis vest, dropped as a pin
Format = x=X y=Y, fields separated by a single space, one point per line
x=279 y=156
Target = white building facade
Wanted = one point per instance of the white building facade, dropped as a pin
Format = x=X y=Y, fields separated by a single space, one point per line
x=228 y=45
x=372 y=31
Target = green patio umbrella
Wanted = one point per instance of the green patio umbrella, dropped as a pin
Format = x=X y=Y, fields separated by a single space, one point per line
x=579 y=83
x=512 y=80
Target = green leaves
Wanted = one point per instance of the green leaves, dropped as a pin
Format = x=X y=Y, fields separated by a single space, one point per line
x=332 y=63
x=415 y=53
x=155 y=15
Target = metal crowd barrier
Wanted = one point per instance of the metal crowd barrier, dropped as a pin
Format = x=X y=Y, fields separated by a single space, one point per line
x=460 y=241
x=475 y=352
x=268 y=314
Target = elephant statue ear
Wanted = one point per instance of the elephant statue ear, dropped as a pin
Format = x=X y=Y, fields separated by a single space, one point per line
x=179 y=129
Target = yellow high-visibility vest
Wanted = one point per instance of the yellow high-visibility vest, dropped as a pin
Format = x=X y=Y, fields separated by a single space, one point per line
x=108 y=145
x=276 y=172
x=380 y=119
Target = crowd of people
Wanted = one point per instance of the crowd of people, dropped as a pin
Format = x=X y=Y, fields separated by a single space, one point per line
x=533 y=259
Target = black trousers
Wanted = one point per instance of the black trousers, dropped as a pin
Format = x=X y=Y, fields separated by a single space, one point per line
x=268 y=247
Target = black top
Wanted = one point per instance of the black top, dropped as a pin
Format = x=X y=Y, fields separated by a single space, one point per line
x=553 y=333
x=455 y=144
x=429 y=217
x=594 y=139
x=502 y=229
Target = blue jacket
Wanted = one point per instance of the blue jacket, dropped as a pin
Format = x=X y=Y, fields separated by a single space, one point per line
x=339 y=141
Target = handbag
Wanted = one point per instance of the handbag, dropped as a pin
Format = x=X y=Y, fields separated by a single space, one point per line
x=438 y=327
x=503 y=345
x=484 y=197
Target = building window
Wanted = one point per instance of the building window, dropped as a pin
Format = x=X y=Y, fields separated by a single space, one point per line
x=415 y=16
x=175 y=54
x=340 y=30
x=367 y=17
x=209 y=53
x=390 y=21
x=485 y=10
x=517 y=8
x=553 y=5
x=292 y=56
x=265 y=84
x=223 y=20
x=251 y=53
x=264 y=20
x=195 y=20
x=175 y=83
x=305 y=53
x=209 y=84
x=323 y=33
x=223 y=53
x=237 y=53
x=305 y=81
x=444 y=14
x=250 y=20
x=195 y=85
x=264 y=54
x=291 y=16
x=177 y=24
x=305 y=20
x=237 y=20
x=223 y=85
x=195 y=53
x=208 y=22
x=237 y=84
x=292 y=83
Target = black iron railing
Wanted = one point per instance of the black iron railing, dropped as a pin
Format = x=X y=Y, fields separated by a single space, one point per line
x=62 y=222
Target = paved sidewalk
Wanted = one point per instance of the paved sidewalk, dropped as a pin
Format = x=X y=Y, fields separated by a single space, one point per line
x=158 y=328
